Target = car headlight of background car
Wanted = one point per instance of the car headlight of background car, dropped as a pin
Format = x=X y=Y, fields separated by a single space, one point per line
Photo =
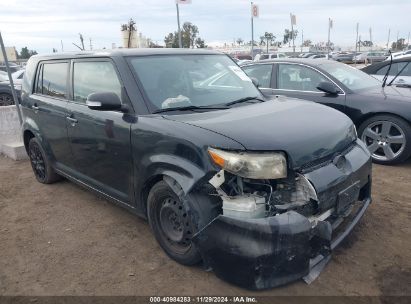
x=252 y=165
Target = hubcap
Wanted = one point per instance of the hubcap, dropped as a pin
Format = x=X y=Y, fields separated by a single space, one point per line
x=6 y=100
x=37 y=162
x=384 y=139
x=174 y=223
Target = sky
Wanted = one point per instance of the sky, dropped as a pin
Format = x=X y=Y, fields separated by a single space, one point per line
x=42 y=24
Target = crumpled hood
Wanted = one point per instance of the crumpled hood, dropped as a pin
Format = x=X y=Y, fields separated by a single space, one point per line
x=304 y=130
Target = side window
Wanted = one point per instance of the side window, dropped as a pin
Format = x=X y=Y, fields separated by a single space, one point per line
x=92 y=77
x=52 y=79
x=407 y=69
x=262 y=72
x=298 y=77
x=264 y=57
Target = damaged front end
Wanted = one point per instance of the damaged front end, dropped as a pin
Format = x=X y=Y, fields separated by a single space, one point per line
x=276 y=230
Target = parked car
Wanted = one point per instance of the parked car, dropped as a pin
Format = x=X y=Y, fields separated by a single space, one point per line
x=345 y=57
x=251 y=186
x=399 y=54
x=382 y=115
x=270 y=56
x=3 y=76
x=18 y=77
x=400 y=69
x=371 y=57
x=13 y=67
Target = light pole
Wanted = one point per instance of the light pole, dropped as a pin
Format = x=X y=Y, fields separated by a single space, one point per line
x=388 y=41
x=180 y=43
x=356 y=45
x=252 y=31
x=330 y=24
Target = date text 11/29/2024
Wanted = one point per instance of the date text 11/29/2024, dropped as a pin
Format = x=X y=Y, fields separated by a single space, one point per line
x=205 y=299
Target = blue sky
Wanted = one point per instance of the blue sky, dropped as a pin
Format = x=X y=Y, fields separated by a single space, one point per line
x=41 y=24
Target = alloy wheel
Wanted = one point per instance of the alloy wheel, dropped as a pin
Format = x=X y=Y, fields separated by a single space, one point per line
x=37 y=162
x=384 y=139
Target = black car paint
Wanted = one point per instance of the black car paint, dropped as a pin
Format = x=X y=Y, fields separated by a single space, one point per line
x=358 y=105
x=122 y=155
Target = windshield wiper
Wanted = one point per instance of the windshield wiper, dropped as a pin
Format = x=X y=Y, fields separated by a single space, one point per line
x=384 y=80
x=398 y=74
x=188 y=108
x=244 y=99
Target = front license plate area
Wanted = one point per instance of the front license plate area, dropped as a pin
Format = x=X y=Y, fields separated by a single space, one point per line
x=347 y=197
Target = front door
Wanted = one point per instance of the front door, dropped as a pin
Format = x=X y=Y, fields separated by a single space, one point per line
x=48 y=109
x=301 y=81
x=100 y=140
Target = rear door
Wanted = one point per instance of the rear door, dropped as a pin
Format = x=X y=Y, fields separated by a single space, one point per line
x=301 y=81
x=48 y=108
x=100 y=140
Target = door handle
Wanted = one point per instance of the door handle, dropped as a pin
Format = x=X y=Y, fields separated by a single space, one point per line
x=35 y=108
x=72 y=120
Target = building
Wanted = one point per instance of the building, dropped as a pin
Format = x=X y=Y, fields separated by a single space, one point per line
x=132 y=38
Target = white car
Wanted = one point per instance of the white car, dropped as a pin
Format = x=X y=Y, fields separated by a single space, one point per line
x=270 y=56
x=398 y=55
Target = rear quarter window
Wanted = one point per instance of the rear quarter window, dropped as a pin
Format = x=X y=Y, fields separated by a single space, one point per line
x=52 y=79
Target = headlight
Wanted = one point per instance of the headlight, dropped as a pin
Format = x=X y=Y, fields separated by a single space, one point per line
x=251 y=165
x=353 y=132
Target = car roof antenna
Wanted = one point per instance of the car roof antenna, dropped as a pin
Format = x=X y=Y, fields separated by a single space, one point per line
x=384 y=80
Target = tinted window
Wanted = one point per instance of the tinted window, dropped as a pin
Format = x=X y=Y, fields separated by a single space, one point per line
x=395 y=69
x=92 y=77
x=53 y=80
x=298 y=77
x=261 y=72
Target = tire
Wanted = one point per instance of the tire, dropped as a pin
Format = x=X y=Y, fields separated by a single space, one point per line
x=388 y=138
x=174 y=222
x=6 y=99
x=40 y=164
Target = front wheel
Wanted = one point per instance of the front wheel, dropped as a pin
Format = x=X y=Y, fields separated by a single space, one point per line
x=388 y=138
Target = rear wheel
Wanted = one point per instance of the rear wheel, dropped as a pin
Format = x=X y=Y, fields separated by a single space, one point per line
x=388 y=138
x=6 y=99
x=40 y=164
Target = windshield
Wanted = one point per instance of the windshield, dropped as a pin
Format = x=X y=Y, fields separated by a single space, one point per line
x=352 y=78
x=172 y=81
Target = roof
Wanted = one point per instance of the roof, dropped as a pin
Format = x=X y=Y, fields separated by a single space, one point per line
x=127 y=52
x=377 y=65
x=307 y=61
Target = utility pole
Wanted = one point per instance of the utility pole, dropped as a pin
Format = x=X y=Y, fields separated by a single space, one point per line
x=62 y=48
x=408 y=43
x=180 y=43
x=302 y=40
x=91 y=45
x=252 y=31
x=396 y=42
x=293 y=22
x=356 y=44
x=388 y=41
x=330 y=25
x=13 y=90
x=371 y=39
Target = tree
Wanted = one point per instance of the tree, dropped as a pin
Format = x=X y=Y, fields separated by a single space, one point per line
x=262 y=40
x=307 y=42
x=171 y=40
x=398 y=45
x=200 y=44
x=239 y=41
x=25 y=53
x=289 y=36
x=189 y=37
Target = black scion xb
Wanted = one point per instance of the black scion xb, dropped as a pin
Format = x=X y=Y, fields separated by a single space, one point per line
x=260 y=190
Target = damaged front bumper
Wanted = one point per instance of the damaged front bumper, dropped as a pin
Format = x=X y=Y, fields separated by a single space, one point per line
x=271 y=251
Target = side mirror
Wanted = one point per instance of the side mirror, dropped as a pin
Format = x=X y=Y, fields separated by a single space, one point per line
x=104 y=101
x=255 y=81
x=328 y=88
